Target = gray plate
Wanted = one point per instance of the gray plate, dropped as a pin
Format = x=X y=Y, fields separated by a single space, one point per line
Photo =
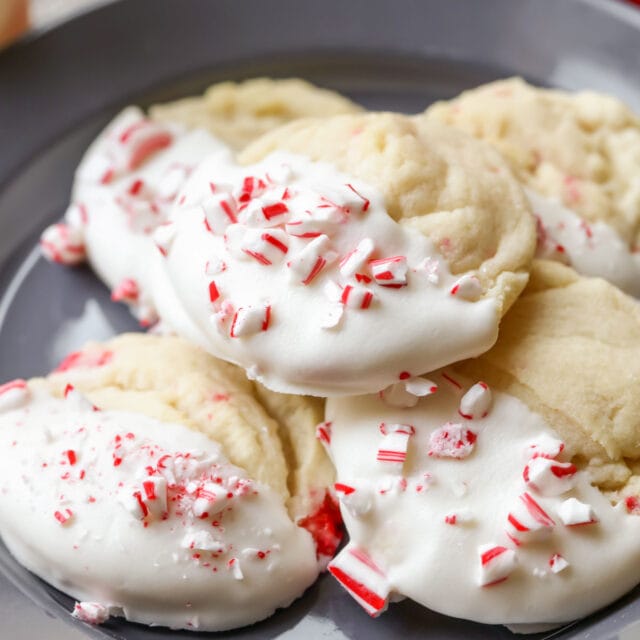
x=59 y=88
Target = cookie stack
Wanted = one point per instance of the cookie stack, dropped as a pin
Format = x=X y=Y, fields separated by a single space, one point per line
x=371 y=317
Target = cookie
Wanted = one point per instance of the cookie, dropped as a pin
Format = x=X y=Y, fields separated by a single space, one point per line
x=511 y=476
x=179 y=471
x=239 y=112
x=581 y=153
x=123 y=190
x=329 y=278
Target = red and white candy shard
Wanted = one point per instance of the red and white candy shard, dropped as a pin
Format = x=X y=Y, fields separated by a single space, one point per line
x=452 y=440
x=132 y=140
x=355 y=296
x=528 y=521
x=163 y=237
x=496 y=564
x=148 y=500
x=407 y=393
x=91 y=612
x=476 y=402
x=362 y=578
x=323 y=433
x=250 y=320
x=390 y=272
x=210 y=499
x=306 y=264
x=63 y=244
x=127 y=290
x=459 y=517
x=574 y=513
x=220 y=210
x=468 y=288
x=557 y=563
x=549 y=477
x=395 y=442
x=14 y=395
x=545 y=446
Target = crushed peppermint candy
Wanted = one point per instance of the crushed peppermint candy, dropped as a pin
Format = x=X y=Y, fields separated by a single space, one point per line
x=91 y=612
x=476 y=402
x=573 y=513
x=362 y=578
x=452 y=440
x=549 y=477
x=496 y=564
x=63 y=244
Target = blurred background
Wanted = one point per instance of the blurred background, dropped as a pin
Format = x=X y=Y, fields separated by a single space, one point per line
x=17 y=16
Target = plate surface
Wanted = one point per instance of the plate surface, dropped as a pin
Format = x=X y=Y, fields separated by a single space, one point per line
x=59 y=88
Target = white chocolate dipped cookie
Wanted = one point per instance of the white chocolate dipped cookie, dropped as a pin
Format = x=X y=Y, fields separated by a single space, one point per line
x=299 y=271
x=181 y=481
x=579 y=156
x=506 y=492
x=239 y=112
x=123 y=190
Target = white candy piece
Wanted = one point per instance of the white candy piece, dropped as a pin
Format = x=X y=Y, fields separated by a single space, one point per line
x=63 y=244
x=234 y=567
x=354 y=261
x=332 y=316
x=362 y=578
x=572 y=513
x=496 y=564
x=91 y=612
x=476 y=402
x=14 y=395
x=250 y=320
x=358 y=502
x=407 y=393
x=202 y=541
x=163 y=236
x=549 y=477
x=468 y=288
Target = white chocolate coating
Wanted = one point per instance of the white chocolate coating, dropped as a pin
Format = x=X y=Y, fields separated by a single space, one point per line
x=591 y=248
x=426 y=521
x=277 y=294
x=172 y=568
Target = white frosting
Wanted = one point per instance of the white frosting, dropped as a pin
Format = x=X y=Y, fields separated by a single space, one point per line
x=425 y=523
x=116 y=224
x=306 y=282
x=76 y=485
x=591 y=248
